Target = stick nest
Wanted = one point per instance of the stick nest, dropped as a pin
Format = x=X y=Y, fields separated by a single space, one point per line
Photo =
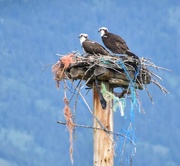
x=119 y=71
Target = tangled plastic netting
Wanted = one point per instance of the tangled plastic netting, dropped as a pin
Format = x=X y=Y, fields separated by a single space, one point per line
x=130 y=131
x=122 y=72
x=118 y=102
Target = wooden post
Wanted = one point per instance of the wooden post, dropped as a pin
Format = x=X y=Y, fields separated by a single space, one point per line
x=103 y=144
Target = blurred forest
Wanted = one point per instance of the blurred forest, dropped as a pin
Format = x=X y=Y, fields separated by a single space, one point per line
x=34 y=31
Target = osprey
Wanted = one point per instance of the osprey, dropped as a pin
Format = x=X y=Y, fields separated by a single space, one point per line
x=114 y=42
x=90 y=46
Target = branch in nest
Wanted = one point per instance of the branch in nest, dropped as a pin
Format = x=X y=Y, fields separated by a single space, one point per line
x=45 y=66
x=119 y=71
x=160 y=86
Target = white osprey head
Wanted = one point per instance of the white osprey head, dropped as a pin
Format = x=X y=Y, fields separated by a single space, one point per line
x=103 y=30
x=83 y=37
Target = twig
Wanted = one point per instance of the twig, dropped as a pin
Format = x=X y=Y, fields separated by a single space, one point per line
x=45 y=66
x=87 y=81
x=59 y=55
x=74 y=92
x=149 y=95
x=160 y=86
x=99 y=122
x=98 y=128
x=151 y=64
x=153 y=74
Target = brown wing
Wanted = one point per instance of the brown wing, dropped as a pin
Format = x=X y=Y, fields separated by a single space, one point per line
x=92 y=47
x=119 y=42
x=115 y=43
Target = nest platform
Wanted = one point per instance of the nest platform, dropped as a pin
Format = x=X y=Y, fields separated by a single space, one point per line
x=119 y=71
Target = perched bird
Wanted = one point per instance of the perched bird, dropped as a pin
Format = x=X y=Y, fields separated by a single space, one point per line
x=114 y=42
x=90 y=46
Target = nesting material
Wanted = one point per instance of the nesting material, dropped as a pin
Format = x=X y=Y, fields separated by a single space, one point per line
x=119 y=71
